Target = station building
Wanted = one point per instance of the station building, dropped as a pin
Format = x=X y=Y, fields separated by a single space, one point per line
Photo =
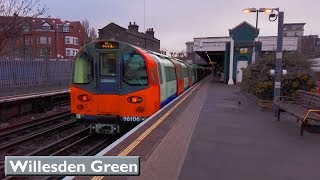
x=243 y=46
x=131 y=35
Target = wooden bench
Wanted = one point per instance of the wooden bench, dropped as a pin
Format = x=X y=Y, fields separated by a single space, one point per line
x=305 y=106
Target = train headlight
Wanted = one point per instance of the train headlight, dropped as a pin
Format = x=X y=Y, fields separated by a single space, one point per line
x=135 y=99
x=83 y=97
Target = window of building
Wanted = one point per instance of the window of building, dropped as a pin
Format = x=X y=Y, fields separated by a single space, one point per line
x=28 y=41
x=75 y=41
x=65 y=28
x=49 y=40
x=67 y=40
x=43 y=40
x=45 y=52
x=68 y=52
x=71 y=40
x=71 y=51
x=45 y=28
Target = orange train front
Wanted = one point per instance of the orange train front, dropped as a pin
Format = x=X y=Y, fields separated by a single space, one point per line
x=116 y=85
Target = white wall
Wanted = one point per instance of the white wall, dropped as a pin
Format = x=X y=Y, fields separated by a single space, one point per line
x=210 y=44
x=269 y=43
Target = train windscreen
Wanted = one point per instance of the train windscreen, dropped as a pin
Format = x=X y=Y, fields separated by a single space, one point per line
x=83 y=69
x=134 y=70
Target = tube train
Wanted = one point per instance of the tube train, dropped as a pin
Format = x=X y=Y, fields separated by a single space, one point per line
x=116 y=85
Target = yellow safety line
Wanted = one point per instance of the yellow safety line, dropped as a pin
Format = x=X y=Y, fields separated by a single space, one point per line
x=136 y=142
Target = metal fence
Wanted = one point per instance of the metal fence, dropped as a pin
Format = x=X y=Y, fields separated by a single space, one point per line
x=15 y=73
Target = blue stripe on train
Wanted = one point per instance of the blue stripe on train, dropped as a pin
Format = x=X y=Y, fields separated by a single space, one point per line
x=168 y=100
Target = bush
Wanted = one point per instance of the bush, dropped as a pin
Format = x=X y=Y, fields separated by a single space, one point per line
x=256 y=78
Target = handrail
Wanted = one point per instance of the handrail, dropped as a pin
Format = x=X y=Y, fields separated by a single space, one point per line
x=311 y=110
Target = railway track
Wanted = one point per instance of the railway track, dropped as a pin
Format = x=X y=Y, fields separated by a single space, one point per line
x=71 y=139
x=80 y=144
x=54 y=135
x=30 y=123
x=20 y=140
x=19 y=135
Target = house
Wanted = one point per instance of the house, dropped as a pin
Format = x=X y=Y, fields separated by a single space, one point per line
x=41 y=38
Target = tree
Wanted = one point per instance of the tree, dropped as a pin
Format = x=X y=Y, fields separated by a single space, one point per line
x=91 y=32
x=15 y=16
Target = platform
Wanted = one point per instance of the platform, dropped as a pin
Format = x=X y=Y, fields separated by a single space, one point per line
x=217 y=133
x=32 y=93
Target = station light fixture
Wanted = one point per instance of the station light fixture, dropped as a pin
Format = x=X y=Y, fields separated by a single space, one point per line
x=265 y=10
x=272 y=72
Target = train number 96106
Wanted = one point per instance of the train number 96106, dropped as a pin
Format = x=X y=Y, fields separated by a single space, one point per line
x=132 y=118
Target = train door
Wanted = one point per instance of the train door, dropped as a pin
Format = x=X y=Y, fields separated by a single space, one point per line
x=108 y=80
x=162 y=77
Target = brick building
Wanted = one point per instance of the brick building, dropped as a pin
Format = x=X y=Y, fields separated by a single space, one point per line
x=131 y=36
x=45 y=38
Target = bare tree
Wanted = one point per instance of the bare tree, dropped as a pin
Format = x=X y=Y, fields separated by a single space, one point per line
x=91 y=32
x=15 y=15
x=86 y=26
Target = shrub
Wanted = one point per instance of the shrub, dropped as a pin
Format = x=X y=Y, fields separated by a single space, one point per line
x=256 y=78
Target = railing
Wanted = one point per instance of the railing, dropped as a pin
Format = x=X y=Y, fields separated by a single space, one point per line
x=15 y=73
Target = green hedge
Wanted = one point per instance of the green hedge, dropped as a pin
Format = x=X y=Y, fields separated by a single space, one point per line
x=256 y=78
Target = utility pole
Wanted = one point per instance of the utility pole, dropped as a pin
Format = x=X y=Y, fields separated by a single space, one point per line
x=278 y=70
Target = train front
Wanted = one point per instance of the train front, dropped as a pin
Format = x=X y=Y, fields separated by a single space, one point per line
x=114 y=86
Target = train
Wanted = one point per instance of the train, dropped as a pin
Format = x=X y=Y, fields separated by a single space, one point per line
x=116 y=85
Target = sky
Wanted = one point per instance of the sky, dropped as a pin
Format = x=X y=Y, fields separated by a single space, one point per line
x=177 y=21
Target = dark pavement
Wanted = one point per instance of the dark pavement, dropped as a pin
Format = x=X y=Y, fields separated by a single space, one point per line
x=233 y=141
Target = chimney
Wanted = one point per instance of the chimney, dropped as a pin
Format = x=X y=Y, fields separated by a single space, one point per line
x=150 y=32
x=133 y=27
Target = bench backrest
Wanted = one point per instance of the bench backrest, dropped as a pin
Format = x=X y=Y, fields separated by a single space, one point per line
x=307 y=98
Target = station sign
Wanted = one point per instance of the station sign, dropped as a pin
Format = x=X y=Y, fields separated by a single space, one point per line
x=243 y=50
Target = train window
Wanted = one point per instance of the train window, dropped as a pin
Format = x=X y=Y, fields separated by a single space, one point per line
x=185 y=72
x=160 y=73
x=108 y=64
x=170 y=74
x=167 y=74
x=153 y=75
x=134 y=70
x=83 y=69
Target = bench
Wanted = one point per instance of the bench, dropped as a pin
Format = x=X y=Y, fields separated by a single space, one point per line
x=305 y=106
